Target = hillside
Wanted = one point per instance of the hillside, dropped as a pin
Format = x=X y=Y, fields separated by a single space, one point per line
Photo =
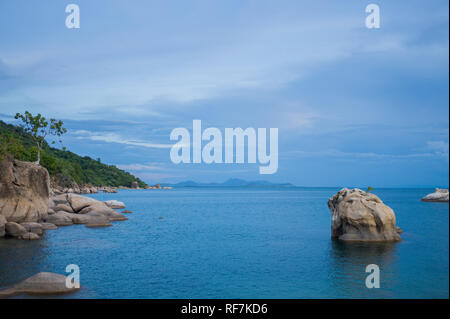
x=64 y=167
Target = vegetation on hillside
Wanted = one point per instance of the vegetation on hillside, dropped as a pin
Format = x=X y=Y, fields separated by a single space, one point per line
x=65 y=167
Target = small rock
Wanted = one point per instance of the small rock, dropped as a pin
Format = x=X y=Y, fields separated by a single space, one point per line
x=60 y=219
x=15 y=230
x=439 y=195
x=48 y=226
x=30 y=236
x=33 y=227
x=114 y=204
x=41 y=283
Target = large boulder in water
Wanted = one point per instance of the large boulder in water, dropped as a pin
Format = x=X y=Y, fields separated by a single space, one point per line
x=24 y=191
x=361 y=216
x=41 y=283
x=439 y=195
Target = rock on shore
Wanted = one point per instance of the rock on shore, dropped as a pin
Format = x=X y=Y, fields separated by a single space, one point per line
x=439 y=195
x=41 y=283
x=24 y=191
x=361 y=216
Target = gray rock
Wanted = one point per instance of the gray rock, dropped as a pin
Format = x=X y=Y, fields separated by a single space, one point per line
x=2 y=226
x=439 y=195
x=14 y=229
x=50 y=211
x=114 y=204
x=361 y=216
x=64 y=208
x=104 y=210
x=60 y=219
x=48 y=226
x=41 y=283
x=24 y=190
x=33 y=227
x=59 y=199
x=78 y=202
x=30 y=236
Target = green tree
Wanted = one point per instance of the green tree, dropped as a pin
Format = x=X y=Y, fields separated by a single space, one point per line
x=39 y=128
x=369 y=189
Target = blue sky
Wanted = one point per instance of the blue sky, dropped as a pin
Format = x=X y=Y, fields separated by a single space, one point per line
x=354 y=106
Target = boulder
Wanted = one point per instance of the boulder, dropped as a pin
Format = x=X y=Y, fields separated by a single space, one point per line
x=24 y=190
x=114 y=204
x=101 y=208
x=30 y=236
x=439 y=195
x=50 y=211
x=41 y=283
x=361 y=216
x=97 y=220
x=78 y=202
x=2 y=226
x=33 y=227
x=64 y=208
x=60 y=219
x=14 y=229
x=47 y=226
x=58 y=199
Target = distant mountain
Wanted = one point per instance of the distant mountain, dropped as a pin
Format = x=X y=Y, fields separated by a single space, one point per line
x=232 y=182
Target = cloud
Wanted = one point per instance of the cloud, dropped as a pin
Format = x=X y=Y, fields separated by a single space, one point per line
x=365 y=155
x=440 y=148
x=116 y=138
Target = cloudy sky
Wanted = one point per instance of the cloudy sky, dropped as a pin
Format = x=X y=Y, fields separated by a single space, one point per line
x=354 y=106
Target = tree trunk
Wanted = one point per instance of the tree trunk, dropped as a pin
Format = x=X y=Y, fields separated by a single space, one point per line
x=38 y=162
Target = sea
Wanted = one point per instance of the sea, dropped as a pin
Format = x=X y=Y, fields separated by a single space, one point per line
x=240 y=242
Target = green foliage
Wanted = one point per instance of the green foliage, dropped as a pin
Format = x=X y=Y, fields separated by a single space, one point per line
x=38 y=127
x=64 y=166
x=369 y=189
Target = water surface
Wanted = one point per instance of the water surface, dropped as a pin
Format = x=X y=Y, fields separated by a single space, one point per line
x=240 y=243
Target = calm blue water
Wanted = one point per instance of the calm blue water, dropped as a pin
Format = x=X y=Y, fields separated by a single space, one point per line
x=240 y=243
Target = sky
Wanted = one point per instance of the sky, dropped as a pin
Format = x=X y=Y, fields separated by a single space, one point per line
x=353 y=106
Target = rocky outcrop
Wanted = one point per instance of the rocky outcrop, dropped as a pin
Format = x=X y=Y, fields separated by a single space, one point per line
x=27 y=210
x=85 y=189
x=84 y=210
x=24 y=191
x=114 y=204
x=41 y=283
x=439 y=195
x=361 y=216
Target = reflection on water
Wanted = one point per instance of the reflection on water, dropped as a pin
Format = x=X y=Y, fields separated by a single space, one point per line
x=348 y=261
x=20 y=259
